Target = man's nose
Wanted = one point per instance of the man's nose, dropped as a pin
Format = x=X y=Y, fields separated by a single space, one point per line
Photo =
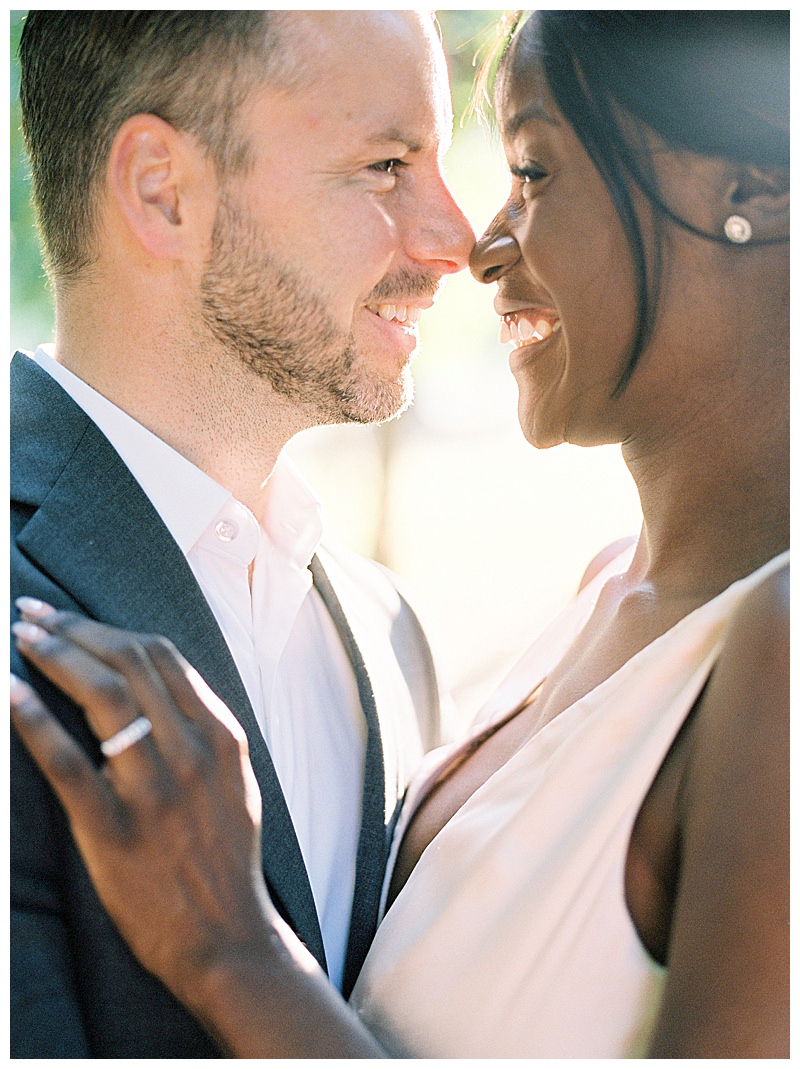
x=443 y=237
x=494 y=253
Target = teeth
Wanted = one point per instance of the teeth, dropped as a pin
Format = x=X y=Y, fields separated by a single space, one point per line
x=526 y=330
x=401 y=312
x=520 y=330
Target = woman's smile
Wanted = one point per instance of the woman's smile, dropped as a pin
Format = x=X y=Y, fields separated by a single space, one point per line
x=528 y=327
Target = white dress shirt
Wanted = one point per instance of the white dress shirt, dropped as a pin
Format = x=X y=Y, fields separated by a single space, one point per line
x=291 y=660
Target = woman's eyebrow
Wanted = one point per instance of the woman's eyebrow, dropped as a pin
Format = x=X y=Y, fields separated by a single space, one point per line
x=534 y=110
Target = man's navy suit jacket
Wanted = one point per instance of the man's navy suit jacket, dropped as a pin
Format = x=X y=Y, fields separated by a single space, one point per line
x=85 y=538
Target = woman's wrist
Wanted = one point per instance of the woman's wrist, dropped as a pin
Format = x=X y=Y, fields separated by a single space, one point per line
x=232 y=965
x=269 y=998
x=227 y=993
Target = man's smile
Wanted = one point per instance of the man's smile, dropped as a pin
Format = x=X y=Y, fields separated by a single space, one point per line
x=401 y=313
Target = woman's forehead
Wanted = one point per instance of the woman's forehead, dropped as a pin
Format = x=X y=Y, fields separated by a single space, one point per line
x=521 y=92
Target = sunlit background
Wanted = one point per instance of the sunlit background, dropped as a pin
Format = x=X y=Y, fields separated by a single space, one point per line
x=489 y=536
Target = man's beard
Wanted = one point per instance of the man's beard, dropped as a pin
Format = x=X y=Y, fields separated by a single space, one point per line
x=275 y=324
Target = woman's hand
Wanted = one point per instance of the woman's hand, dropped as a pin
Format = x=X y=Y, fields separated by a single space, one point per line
x=178 y=810
x=169 y=829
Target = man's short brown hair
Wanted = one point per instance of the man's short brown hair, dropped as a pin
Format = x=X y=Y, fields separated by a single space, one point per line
x=84 y=73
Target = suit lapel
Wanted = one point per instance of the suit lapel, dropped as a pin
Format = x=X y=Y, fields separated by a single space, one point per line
x=98 y=536
x=372 y=851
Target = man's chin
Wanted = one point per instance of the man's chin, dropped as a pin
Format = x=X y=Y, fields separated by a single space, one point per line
x=376 y=403
x=388 y=403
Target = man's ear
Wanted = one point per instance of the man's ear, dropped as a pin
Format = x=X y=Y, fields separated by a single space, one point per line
x=761 y=195
x=147 y=173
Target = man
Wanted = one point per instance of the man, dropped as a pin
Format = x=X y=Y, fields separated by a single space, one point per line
x=243 y=216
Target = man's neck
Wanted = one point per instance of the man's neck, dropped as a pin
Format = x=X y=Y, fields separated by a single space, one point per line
x=220 y=416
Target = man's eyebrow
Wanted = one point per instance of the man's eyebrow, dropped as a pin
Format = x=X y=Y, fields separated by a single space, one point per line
x=515 y=122
x=396 y=136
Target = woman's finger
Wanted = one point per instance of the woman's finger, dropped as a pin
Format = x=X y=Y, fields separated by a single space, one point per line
x=154 y=669
x=119 y=678
x=106 y=671
x=106 y=698
x=191 y=693
x=151 y=664
x=121 y=650
x=213 y=717
x=82 y=789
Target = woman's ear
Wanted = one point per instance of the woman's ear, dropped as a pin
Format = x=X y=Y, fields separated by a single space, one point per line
x=761 y=195
x=147 y=172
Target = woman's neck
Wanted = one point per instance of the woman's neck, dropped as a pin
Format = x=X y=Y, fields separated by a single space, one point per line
x=715 y=504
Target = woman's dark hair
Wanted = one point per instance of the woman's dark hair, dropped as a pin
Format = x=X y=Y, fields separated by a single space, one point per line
x=712 y=82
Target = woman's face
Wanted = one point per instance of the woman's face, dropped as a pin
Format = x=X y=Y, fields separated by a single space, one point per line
x=566 y=280
x=564 y=272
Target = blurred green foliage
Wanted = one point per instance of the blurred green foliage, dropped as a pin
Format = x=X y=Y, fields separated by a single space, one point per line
x=31 y=303
x=463 y=33
x=466 y=35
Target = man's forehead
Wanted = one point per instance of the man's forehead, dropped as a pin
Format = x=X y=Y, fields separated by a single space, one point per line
x=395 y=90
x=355 y=37
x=418 y=128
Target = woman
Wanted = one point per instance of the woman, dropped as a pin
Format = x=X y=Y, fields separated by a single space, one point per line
x=601 y=870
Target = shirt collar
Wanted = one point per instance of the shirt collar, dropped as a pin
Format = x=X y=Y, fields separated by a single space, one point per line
x=292 y=519
x=186 y=499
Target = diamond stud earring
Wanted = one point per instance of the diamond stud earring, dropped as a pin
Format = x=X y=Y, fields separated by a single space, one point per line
x=738 y=229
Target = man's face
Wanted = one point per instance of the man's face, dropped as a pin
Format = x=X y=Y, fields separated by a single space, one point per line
x=327 y=250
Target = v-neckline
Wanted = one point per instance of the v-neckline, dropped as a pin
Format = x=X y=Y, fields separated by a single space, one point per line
x=465 y=750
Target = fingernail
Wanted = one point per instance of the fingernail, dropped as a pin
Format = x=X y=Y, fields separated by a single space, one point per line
x=19 y=698
x=33 y=607
x=29 y=633
x=16 y=688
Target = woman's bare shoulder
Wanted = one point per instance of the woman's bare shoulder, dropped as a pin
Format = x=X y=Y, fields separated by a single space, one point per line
x=771 y=596
x=744 y=709
x=727 y=988
x=757 y=641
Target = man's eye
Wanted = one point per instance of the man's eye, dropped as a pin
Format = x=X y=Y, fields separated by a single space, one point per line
x=390 y=167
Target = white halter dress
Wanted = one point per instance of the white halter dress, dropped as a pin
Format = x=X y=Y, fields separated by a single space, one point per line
x=511 y=938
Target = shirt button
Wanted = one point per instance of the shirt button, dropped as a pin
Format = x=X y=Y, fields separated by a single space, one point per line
x=226 y=530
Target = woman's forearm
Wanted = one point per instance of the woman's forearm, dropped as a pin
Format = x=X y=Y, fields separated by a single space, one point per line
x=271 y=999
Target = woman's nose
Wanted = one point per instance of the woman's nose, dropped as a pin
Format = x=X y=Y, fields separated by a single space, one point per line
x=493 y=255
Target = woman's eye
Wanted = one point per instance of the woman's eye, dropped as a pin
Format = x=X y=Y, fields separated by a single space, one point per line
x=529 y=174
